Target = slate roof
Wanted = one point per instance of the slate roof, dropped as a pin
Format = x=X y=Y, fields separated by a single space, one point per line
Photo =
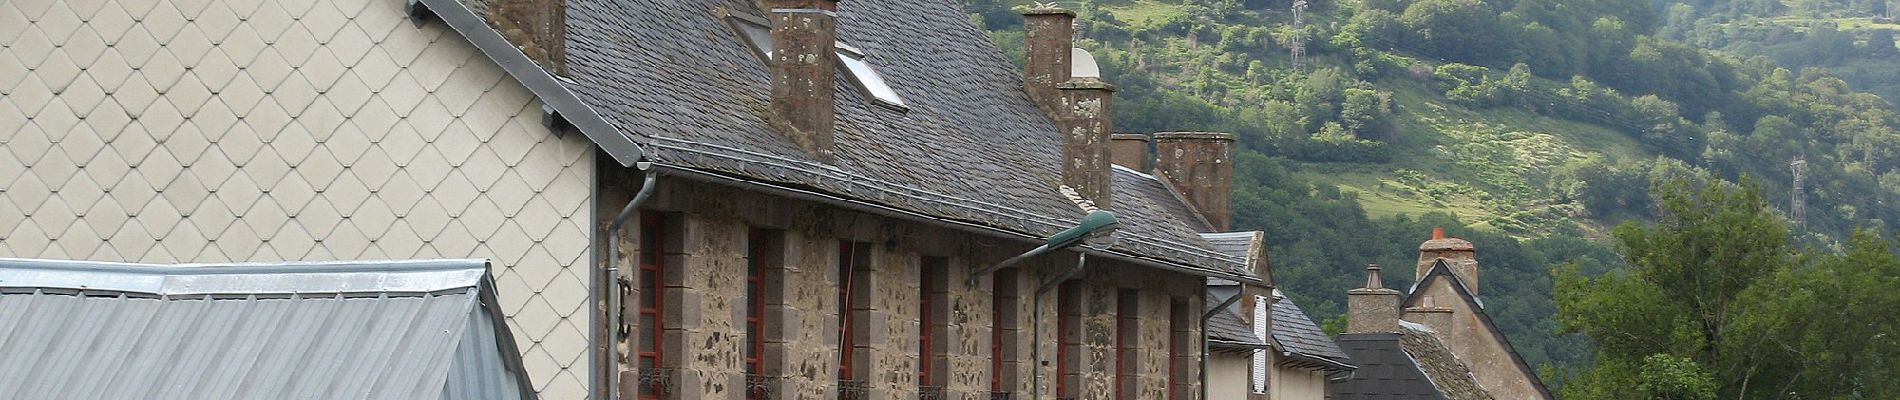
x=1385 y=371
x=393 y=330
x=1227 y=326
x=1439 y=271
x=1411 y=364
x=1295 y=331
x=971 y=148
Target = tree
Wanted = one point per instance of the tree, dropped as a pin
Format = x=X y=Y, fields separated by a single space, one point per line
x=1880 y=43
x=1460 y=30
x=1679 y=295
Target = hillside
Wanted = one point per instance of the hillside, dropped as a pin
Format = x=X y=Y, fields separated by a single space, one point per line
x=1413 y=114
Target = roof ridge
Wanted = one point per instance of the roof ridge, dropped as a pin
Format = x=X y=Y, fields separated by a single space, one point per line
x=249 y=278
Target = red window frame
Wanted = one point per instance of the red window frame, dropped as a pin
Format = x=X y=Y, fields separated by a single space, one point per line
x=755 y=312
x=1002 y=295
x=1178 y=309
x=652 y=296
x=929 y=287
x=847 y=343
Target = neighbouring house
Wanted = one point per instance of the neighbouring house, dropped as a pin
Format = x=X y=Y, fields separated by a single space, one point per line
x=1434 y=341
x=681 y=199
x=1298 y=361
x=357 y=330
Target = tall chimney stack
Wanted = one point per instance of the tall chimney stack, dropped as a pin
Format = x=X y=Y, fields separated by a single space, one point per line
x=537 y=27
x=1201 y=166
x=805 y=72
x=1084 y=116
x=1457 y=253
x=1050 y=32
x=1130 y=150
x=1373 y=308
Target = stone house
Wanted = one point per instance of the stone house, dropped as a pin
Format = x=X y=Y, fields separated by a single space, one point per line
x=1435 y=341
x=681 y=199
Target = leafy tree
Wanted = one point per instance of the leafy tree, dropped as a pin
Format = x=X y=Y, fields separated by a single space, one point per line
x=1460 y=30
x=1685 y=292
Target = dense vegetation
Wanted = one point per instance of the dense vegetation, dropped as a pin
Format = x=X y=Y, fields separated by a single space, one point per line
x=1527 y=126
x=1717 y=303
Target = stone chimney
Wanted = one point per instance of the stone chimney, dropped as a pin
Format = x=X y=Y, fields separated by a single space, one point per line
x=1373 y=308
x=1050 y=32
x=805 y=72
x=1074 y=96
x=1129 y=150
x=1428 y=313
x=537 y=27
x=1201 y=166
x=1084 y=116
x=1457 y=253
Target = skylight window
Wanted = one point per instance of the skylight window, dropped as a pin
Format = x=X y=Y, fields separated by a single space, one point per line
x=757 y=34
x=868 y=79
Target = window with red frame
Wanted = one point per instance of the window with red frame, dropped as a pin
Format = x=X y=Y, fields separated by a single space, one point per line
x=853 y=263
x=1178 y=312
x=762 y=255
x=1127 y=341
x=1002 y=323
x=930 y=296
x=651 y=350
x=1068 y=315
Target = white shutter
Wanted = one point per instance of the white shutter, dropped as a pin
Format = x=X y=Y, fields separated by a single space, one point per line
x=1259 y=368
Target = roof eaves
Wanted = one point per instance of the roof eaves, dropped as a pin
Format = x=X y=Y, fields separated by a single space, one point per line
x=1309 y=361
x=546 y=86
x=1233 y=271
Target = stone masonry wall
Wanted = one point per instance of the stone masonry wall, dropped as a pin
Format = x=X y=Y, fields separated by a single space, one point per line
x=802 y=359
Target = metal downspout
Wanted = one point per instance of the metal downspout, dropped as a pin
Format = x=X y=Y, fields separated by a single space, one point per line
x=1202 y=371
x=1035 y=351
x=610 y=362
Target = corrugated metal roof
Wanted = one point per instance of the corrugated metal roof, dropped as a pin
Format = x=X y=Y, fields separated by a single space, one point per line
x=73 y=330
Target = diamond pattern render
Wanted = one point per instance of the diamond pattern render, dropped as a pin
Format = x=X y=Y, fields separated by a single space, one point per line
x=272 y=130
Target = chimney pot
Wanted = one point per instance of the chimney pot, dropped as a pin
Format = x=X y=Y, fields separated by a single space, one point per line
x=1201 y=165
x=805 y=72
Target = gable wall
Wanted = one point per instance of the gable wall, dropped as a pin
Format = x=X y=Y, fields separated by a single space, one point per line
x=261 y=130
x=1489 y=359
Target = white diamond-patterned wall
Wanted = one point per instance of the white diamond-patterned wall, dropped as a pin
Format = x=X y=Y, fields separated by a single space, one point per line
x=264 y=130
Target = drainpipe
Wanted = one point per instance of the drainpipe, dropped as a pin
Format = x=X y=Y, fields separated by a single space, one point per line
x=1035 y=350
x=1202 y=371
x=611 y=362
